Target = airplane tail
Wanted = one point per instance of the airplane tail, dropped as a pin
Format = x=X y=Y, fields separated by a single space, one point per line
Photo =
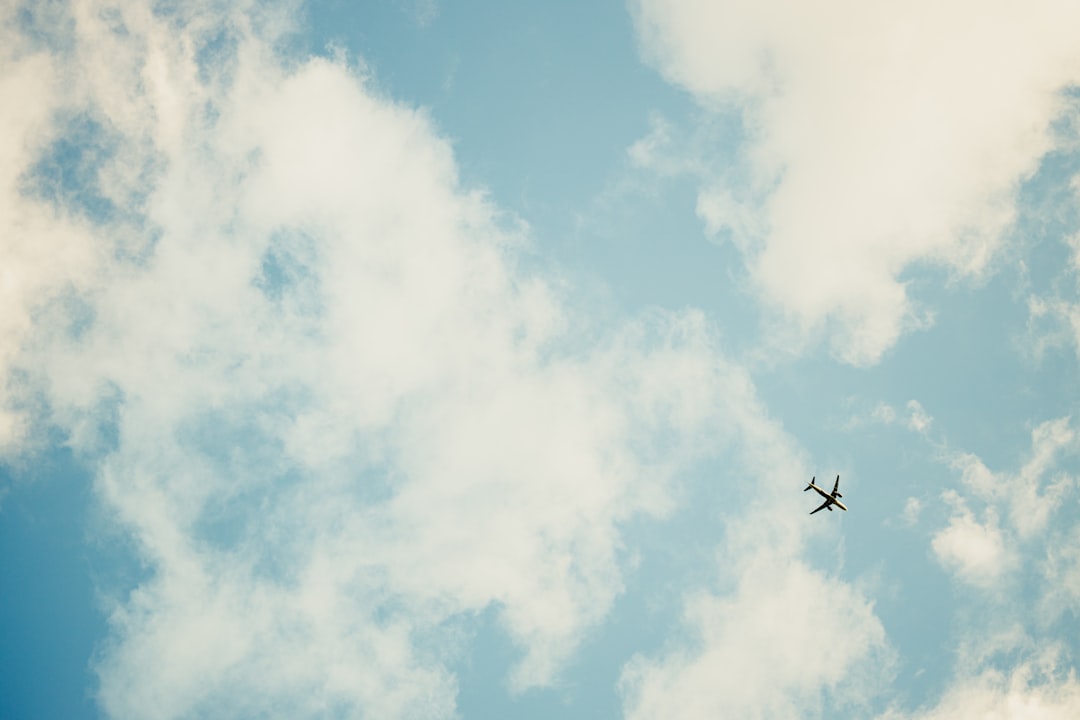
x=810 y=485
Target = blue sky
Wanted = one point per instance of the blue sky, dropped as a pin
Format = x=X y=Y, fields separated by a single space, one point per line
x=416 y=359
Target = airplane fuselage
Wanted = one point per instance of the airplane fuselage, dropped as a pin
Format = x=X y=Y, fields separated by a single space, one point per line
x=829 y=499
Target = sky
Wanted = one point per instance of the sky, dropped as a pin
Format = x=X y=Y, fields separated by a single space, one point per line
x=417 y=359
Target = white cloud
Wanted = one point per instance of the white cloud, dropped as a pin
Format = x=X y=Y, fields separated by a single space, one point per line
x=723 y=212
x=1054 y=319
x=974 y=550
x=423 y=12
x=1029 y=692
x=1030 y=496
x=1048 y=326
x=913 y=508
x=1061 y=570
x=44 y=250
x=884 y=413
x=982 y=552
x=788 y=634
x=880 y=135
x=333 y=414
x=918 y=419
x=994 y=549
x=652 y=150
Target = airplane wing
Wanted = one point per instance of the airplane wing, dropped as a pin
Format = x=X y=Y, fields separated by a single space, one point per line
x=821 y=507
x=836 y=485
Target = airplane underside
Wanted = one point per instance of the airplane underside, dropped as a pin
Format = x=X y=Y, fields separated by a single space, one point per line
x=830 y=499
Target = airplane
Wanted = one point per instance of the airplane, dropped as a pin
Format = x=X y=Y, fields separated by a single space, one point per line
x=830 y=500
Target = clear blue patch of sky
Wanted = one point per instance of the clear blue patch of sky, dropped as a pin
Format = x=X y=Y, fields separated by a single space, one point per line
x=66 y=173
x=50 y=621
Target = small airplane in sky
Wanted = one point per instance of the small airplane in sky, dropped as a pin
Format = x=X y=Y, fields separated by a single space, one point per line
x=830 y=500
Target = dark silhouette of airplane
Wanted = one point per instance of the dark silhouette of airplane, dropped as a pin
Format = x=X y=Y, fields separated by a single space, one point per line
x=830 y=500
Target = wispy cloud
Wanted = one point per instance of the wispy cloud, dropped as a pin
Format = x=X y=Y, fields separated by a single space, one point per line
x=974 y=550
x=1054 y=316
x=1032 y=690
x=1030 y=495
x=913 y=417
x=981 y=547
x=1006 y=539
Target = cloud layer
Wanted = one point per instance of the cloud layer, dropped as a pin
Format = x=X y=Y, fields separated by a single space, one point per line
x=335 y=416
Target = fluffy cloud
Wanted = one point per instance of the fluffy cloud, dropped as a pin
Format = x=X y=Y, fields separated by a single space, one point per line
x=880 y=136
x=317 y=390
x=1030 y=495
x=975 y=551
x=981 y=552
x=768 y=651
x=44 y=250
x=1029 y=691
